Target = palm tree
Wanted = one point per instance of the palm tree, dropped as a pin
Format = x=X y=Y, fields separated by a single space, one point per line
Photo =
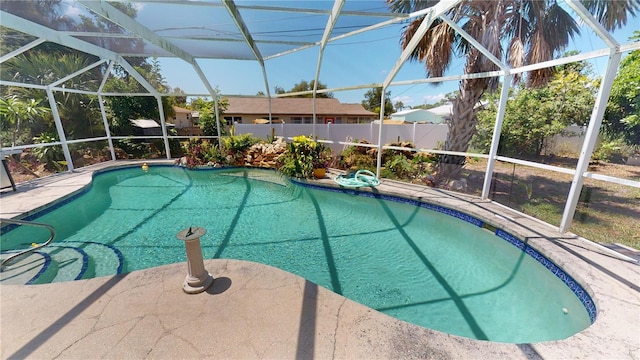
x=13 y=110
x=534 y=31
x=78 y=112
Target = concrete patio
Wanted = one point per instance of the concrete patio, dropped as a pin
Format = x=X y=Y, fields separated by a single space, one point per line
x=257 y=311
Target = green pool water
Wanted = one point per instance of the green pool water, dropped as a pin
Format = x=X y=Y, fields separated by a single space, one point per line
x=412 y=263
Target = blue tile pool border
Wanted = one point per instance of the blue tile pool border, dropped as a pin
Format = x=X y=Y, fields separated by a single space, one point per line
x=556 y=270
x=569 y=281
x=43 y=269
x=47 y=209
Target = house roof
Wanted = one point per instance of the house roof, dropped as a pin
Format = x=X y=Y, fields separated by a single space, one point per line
x=442 y=109
x=294 y=106
x=423 y=115
x=148 y=123
x=145 y=123
x=409 y=111
x=182 y=110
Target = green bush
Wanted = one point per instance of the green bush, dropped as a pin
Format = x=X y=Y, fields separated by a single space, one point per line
x=52 y=156
x=615 y=151
x=235 y=147
x=357 y=158
x=398 y=167
x=303 y=155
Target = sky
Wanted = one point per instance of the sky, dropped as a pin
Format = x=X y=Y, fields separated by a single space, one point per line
x=362 y=59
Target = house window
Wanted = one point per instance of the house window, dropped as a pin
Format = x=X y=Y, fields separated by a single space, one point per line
x=308 y=120
x=233 y=119
x=296 y=120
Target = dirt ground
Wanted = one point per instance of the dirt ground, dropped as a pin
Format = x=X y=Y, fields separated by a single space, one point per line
x=606 y=212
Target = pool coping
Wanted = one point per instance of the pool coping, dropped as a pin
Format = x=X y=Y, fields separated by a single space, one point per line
x=612 y=283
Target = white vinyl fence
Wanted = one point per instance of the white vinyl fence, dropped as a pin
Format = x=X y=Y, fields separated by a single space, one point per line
x=423 y=136
x=426 y=136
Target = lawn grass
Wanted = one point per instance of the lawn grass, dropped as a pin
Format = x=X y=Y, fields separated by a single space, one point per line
x=606 y=212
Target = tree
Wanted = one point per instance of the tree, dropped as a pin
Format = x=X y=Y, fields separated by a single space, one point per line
x=534 y=31
x=534 y=114
x=622 y=116
x=79 y=113
x=125 y=108
x=178 y=100
x=398 y=106
x=372 y=99
x=306 y=86
x=206 y=108
x=13 y=111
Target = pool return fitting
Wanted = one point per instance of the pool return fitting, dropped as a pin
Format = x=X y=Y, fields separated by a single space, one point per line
x=198 y=278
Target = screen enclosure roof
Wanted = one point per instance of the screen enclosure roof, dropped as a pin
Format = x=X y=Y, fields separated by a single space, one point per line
x=262 y=32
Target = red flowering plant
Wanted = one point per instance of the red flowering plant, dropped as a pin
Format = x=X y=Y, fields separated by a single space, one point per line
x=194 y=151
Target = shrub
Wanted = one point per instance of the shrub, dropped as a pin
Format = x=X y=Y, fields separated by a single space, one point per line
x=615 y=151
x=303 y=155
x=398 y=167
x=51 y=156
x=132 y=148
x=195 y=150
x=357 y=157
x=235 y=148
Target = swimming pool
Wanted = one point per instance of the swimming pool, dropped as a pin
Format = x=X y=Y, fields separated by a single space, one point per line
x=411 y=262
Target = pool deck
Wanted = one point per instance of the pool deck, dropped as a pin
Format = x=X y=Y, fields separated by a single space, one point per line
x=255 y=311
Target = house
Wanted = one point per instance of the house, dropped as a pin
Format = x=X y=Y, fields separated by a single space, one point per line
x=185 y=117
x=186 y=122
x=443 y=112
x=436 y=115
x=296 y=111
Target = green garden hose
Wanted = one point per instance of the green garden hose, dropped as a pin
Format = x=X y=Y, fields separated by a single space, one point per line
x=359 y=179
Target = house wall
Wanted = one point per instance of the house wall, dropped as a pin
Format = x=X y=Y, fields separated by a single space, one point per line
x=182 y=120
x=419 y=116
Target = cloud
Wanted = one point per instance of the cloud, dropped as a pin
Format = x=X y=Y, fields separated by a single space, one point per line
x=406 y=100
x=432 y=99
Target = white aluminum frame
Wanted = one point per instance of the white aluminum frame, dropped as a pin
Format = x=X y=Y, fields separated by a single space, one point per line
x=74 y=40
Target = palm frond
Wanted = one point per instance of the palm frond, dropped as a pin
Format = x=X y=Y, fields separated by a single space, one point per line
x=491 y=40
x=612 y=14
x=516 y=22
x=473 y=27
x=515 y=56
x=539 y=51
x=437 y=56
x=559 y=26
x=434 y=48
x=407 y=34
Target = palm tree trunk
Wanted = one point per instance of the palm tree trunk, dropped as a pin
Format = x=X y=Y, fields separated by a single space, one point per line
x=462 y=127
x=15 y=133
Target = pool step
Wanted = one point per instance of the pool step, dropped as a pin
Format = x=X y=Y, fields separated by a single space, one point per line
x=105 y=259
x=26 y=268
x=65 y=261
